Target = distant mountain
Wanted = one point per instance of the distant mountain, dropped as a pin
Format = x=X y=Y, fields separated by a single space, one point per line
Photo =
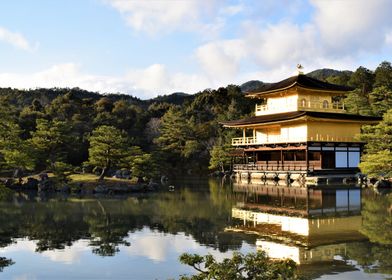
x=176 y=98
x=251 y=85
x=325 y=74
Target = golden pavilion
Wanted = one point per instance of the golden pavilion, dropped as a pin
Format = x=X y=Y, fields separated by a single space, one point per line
x=300 y=125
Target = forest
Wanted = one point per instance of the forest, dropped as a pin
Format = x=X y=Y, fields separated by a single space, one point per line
x=73 y=129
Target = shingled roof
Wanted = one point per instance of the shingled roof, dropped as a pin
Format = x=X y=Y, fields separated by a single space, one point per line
x=299 y=80
x=295 y=115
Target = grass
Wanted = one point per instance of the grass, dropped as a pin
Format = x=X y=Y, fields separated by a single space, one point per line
x=91 y=178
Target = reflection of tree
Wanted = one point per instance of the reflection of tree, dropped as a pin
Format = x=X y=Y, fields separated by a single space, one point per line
x=4 y=262
x=374 y=256
x=59 y=221
x=108 y=232
x=377 y=218
x=53 y=224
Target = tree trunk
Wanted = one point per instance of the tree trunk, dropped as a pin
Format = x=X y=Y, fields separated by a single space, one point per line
x=103 y=173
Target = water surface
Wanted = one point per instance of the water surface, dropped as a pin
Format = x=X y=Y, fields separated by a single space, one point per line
x=333 y=233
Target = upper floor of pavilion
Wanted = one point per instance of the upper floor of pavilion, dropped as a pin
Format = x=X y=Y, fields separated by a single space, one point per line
x=299 y=93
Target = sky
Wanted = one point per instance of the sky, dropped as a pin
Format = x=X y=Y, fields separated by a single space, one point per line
x=153 y=47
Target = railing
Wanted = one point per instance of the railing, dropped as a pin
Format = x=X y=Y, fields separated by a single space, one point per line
x=277 y=139
x=278 y=166
x=264 y=109
x=321 y=105
x=337 y=107
x=243 y=141
x=265 y=140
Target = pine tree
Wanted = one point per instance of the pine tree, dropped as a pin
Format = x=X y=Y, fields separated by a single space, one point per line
x=377 y=160
x=50 y=142
x=110 y=147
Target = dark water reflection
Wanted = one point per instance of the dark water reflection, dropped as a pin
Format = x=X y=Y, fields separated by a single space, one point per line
x=342 y=233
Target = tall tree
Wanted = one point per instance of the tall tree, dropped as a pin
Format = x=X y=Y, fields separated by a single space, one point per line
x=377 y=160
x=381 y=100
x=16 y=153
x=109 y=147
x=383 y=75
x=362 y=79
x=50 y=142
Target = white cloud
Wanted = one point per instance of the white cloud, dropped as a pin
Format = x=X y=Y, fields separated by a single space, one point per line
x=388 y=38
x=221 y=59
x=68 y=255
x=153 y=16
x=352 y=24
x=339 y=34
x=143 y=83
x=232 y=10
x=281 y=44
x=159 y=247
x=16 y=39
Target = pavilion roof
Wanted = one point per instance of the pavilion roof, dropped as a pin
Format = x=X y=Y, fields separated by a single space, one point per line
x=297 y=115
x=299 y=80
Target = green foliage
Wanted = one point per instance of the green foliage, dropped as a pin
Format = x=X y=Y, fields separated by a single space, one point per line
x=362 y=79
x=50 y=141
x=110 y=147
x=60 y=170
x=239 y=267
x=381 y=100
x=15 y=152
x=358 y=103
x=377 y=158
x=6 y=194
x=220 y=158
x=377 y=219
x=373 y=94
x=4 y=262
x=144 y=166
x=175 y=132
x=378 y=164
x=383 y=75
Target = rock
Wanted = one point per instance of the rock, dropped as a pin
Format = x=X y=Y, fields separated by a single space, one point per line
x=152 y=186
x=171 y=188
x=126 y=174
x=46 y=186
x=100 y=189
x=9 y=183
x=137 y=188
x=382 y=184
x=119 y=189
x=43 y=176
x=77 y=188
x=118 y=174
x=64 y=189
x=31 y=184
x=164 y=180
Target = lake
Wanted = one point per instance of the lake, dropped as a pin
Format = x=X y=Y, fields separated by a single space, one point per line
x=332 y=233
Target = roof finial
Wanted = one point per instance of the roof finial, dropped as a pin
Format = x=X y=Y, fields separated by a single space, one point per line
x=299 y=69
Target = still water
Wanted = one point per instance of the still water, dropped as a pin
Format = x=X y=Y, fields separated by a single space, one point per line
x=332 y=233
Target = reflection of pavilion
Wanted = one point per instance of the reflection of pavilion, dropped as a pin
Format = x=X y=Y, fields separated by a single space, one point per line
x=310 y=226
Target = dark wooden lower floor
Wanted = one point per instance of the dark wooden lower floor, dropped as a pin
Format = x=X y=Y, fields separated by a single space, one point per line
x=303 y=157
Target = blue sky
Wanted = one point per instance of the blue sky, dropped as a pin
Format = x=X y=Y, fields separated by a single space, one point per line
x=151 y=47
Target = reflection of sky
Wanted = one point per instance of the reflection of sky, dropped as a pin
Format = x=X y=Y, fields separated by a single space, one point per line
x=152 y=255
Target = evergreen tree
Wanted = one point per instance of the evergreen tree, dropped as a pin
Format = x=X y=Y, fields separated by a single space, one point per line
x=15 y=152
x=220 y=157
x=240 y=267
x=381 y=100
x=50 y=142
x=377 y=160
x=109 y=147
x=383 y=75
